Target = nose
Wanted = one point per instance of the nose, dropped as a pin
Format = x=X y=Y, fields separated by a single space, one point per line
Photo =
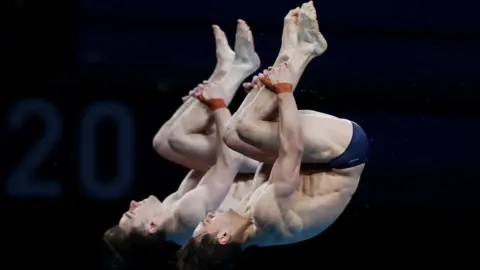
x=133 y=205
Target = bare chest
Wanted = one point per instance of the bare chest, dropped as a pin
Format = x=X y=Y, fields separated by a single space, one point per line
x=239 y=192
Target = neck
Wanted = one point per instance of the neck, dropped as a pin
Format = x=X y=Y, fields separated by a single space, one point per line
x=176 y=231
x=250 y=235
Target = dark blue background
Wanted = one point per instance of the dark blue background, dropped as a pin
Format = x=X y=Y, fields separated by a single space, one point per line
x=405 y=70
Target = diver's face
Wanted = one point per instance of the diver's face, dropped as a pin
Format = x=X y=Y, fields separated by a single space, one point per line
x=224 y=226
x=140 y=215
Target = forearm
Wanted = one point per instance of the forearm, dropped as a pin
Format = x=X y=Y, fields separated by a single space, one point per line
x=289 y=126
x=222 y=174
x=286 y=170
x=225 y=155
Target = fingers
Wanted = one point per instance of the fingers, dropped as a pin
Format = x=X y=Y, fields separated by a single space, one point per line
x=266 y=81
x=254 y=83
x=257 y=82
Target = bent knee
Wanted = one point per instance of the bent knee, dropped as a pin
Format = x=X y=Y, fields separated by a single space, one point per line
x=160 y=140
x=160 y=143
x=325 y=138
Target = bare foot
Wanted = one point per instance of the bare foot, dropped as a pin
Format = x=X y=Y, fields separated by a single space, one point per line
x=310 y=40
x=290 y=32
x=246 y=58
x=225 y=55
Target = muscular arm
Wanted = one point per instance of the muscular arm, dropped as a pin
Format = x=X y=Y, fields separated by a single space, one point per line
x=285 y=173
x=215 y=184
x=220 y=177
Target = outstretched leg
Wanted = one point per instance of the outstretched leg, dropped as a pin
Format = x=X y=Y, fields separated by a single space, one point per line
x=191 y=138
x=192 y=114
x=301 y=42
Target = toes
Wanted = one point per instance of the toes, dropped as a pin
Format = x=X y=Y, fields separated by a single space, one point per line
x=304 y=6
x=242 y=26
x=292 y=15
x=249 y=36
x=217 y=32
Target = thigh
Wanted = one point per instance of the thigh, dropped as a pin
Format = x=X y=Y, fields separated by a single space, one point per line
x=325 y=137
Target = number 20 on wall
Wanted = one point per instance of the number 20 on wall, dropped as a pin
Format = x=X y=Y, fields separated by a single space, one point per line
x=22 y=182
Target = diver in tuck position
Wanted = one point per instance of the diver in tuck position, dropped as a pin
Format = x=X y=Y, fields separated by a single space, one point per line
x=317 y=160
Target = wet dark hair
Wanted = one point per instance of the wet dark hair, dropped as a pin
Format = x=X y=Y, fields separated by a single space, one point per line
x=134 y=249
x=207 y=253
